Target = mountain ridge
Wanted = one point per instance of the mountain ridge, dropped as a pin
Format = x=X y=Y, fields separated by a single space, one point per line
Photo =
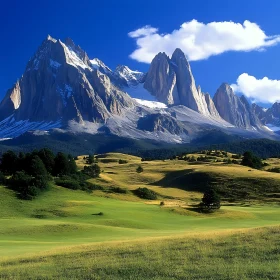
x=62 y=88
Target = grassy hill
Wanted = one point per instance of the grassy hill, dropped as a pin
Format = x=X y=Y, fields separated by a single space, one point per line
x=105 y=234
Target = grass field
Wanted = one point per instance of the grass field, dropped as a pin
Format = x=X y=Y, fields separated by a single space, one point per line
x=67 y=234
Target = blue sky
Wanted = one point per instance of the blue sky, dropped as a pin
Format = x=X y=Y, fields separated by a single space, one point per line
x=102 y=27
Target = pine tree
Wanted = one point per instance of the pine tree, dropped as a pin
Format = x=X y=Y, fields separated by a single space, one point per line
x=211 y=200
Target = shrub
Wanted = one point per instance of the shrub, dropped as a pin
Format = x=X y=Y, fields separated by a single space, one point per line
x=139 y=169
x=68 y=183
x=118 y=190
x=93 y=171
x=146 y=193
x=122 y=161
x=275 y=169
x=162 y=203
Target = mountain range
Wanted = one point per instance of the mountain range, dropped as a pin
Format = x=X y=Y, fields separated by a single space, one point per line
x=62 y=90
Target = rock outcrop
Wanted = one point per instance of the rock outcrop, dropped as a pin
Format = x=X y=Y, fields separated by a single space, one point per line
x=171 y=82
x=60 y=84
x=233 y=109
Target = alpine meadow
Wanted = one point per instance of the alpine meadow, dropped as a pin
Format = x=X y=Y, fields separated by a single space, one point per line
x=144 y=146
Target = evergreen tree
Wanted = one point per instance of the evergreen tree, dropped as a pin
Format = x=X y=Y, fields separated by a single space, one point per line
x=47 y=156
x=61 y=165
x=37 y=167
x=249 y=159
x=211 y=200
x=9 y=162
x=72 y=166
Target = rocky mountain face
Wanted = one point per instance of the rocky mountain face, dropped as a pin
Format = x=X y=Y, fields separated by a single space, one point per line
x=59 y=83
x=235 y=110
x=63 y=88
x=268 y=116
x=171 y=81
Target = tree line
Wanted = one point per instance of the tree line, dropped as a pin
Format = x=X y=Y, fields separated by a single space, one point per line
x=28 y=174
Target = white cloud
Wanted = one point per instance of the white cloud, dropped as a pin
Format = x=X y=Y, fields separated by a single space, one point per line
x=200 y=41
x=259 y=90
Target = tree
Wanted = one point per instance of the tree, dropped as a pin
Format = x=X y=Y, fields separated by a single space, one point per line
x=9 y=162
x=211 y=200
x=72 y=166
x=92 y=171
x=90 y=159
x=249 y=159
x=47 y=157
x=139 y=169
x=61 y=165
x=37 y=168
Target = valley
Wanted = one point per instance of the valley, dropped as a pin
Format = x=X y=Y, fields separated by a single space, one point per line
x=110 y=232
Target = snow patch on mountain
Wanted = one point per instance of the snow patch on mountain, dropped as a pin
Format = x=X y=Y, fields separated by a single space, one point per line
x=272 y=127
x=151 y=104
x=139 y=92
x=72 y=58
x=130 y=76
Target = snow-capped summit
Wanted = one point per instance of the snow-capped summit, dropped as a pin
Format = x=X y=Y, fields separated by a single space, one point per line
x=131 y=77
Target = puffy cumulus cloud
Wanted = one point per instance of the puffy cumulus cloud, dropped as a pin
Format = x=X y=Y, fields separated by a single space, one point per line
x=200 y=41
x=259 y=90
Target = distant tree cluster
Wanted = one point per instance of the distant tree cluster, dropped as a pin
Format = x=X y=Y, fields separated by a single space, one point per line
x=250 y=160
x=31 y=173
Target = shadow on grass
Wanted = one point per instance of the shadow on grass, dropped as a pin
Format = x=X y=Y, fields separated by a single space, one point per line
x=188 y=180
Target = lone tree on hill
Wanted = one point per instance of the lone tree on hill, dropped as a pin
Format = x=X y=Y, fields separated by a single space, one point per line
x=211 y=200
x=139 y=169
x=249 y=159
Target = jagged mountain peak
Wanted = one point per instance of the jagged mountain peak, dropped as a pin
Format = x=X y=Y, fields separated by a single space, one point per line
x=178 y=53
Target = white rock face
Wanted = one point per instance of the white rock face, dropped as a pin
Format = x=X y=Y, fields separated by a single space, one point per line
x=172 y=82
x=233 y=109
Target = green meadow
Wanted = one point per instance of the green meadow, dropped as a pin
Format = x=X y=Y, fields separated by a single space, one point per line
x=73 y=234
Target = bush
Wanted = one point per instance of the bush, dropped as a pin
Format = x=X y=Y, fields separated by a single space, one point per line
x=139 y=169
x=122 y=161
x=146 y=193
x=68 y=183
x=275 y=169
x=118 y=190
x=25 y=185
x=92 y=171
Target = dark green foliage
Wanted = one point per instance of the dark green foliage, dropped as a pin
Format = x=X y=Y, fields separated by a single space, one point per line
x=92 y=171
x=64 y=165
x=47 y=157
x=211 y=200
x=2 y=178
x=60 y=165
x=90 y=159
x=77 y=182
x=37 y=167
x=275 y=170
x=118 y=190
x=145 y=193
x=68 y=183
x=72 y=166
x=24 y=185
x=249 y=159
x=139 y=169
x=9 y=162
x=122 y=161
